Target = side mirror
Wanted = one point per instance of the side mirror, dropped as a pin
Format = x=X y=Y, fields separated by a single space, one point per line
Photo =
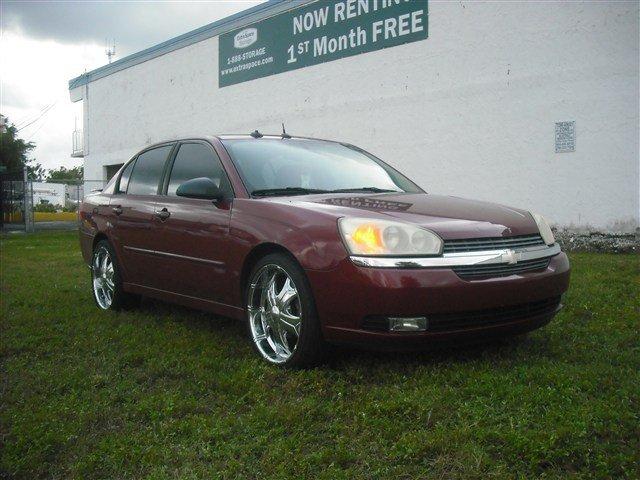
x=202 y=187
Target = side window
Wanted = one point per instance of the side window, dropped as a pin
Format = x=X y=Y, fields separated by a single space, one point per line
x=196 y=160
x=147 y=172
x=124 y=178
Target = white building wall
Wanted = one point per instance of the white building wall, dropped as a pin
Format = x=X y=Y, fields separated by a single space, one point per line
x=469 y=112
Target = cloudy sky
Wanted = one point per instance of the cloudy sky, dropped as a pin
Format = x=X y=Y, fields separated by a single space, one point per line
x=43 y=44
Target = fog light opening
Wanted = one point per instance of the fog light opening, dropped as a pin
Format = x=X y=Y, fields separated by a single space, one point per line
x=407 y=324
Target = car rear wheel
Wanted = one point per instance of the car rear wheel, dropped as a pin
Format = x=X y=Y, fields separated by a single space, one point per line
x=281 y=314
x=106 y=281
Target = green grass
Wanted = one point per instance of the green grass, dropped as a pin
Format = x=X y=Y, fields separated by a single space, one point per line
x=165 y=392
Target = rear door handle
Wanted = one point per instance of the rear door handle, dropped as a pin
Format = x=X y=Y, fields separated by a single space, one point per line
x=117 y=210
x=163 y=214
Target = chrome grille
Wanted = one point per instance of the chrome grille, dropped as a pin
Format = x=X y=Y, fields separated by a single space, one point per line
x=497 y=243
x=501 y=269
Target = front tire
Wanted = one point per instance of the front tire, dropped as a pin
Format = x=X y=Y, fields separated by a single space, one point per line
x=281 y=314
x=106 y=282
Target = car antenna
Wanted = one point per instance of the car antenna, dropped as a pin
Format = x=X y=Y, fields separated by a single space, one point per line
x=284 y=132
x=256 y=134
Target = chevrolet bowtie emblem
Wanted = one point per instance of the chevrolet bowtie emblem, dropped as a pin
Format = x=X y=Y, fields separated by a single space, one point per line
x=510 y=257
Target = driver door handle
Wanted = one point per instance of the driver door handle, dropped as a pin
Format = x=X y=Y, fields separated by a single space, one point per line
x=163 y=214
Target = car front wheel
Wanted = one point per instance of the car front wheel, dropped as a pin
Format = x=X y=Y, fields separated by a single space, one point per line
x=281 y=314
x=106 y=282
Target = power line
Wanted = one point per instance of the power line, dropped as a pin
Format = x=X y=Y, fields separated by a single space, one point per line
x=38 y=118
x=43 y=112
x=37 y=130
x=25 y=119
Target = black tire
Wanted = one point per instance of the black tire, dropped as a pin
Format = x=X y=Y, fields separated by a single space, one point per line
x=310 y=349
x=119 y=299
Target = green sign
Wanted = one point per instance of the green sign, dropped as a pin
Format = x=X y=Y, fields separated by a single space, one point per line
x=318 y=32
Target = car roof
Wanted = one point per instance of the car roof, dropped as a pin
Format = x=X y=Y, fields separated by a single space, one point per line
x=234 y=136
x=237 y=136
x=240 y=136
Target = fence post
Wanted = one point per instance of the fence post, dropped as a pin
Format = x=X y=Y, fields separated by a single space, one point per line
x=27 y=192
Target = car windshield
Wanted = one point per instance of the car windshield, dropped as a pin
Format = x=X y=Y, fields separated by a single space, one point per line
x=300 y=166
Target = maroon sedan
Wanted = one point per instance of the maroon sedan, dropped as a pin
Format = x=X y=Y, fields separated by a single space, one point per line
x=314 y=242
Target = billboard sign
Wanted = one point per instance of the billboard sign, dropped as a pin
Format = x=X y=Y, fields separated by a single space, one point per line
x=318 y=32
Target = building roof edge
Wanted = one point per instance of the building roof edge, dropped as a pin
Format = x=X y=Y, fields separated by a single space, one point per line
x=237 y=20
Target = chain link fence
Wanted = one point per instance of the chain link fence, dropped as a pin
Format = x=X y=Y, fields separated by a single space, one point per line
x=30 y=205
x=14 y=196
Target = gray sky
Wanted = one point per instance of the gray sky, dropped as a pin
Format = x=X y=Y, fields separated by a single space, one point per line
x=46 y=43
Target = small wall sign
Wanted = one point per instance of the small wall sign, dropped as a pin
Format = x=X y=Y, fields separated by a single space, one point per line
x=565 y=137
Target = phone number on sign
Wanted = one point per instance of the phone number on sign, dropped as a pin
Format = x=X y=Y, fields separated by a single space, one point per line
x=246 y=55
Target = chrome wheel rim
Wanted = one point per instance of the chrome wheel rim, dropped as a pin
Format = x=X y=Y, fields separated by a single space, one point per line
x=102 y=273
x=275 y=313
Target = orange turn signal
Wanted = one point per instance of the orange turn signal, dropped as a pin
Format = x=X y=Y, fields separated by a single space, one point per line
x=369 y=238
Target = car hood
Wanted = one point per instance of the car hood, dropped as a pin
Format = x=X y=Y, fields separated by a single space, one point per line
x=450 y=217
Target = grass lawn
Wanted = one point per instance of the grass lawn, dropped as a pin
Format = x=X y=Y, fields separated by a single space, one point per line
x=165 y=392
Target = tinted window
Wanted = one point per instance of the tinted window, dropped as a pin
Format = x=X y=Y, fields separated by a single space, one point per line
x=124 y=178
x=147 y=171
x=195 y=160
x=312 y=164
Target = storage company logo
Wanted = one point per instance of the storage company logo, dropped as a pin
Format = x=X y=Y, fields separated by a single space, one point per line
x=246 y=37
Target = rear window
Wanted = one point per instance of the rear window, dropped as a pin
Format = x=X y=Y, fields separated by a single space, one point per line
x=147 y=171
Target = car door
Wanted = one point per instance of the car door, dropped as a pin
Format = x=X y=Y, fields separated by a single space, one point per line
x=193 y=234
x=134 y=207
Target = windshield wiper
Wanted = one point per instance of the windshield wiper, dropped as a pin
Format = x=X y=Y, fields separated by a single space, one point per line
x=273 y=192
x=365 y=189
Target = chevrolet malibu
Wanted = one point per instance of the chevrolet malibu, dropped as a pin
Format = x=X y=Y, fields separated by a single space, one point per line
x=313 y=242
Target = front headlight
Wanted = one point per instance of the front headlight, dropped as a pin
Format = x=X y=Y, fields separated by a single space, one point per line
x=368 y=236
x=545 y=229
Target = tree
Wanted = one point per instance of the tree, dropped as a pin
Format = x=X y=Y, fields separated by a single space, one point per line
x=14 y=151
x=35 y=171
x=66 y=175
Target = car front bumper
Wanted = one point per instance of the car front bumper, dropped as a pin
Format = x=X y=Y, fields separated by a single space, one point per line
x=347 y=296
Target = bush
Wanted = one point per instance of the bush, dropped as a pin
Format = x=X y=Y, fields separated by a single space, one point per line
x=46 y=207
